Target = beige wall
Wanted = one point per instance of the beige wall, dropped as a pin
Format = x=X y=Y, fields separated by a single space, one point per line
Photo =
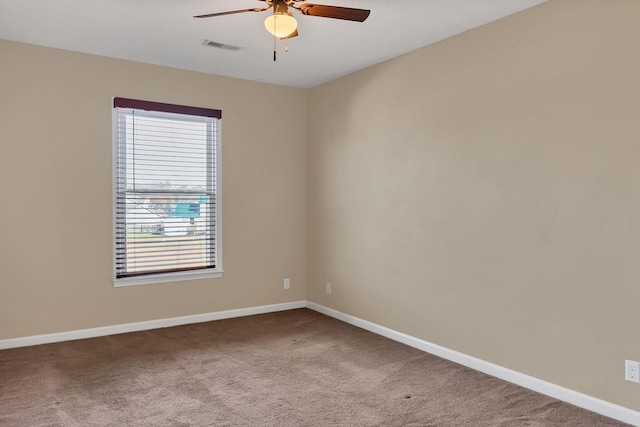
x=483 y=194
x=56 y=201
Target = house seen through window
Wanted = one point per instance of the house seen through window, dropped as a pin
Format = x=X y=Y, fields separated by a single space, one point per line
x=166 y=185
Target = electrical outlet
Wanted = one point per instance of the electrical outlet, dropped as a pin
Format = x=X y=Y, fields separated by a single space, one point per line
x=286 y=283
x=328 y=287
x=632 y=371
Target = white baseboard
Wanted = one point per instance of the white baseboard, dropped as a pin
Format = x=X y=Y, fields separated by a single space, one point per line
x=581 y=400
x=146 y=325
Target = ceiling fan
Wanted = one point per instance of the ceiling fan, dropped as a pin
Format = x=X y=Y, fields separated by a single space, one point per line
x=283 y=25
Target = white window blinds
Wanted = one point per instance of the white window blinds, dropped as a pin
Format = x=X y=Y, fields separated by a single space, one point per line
x=166 y=188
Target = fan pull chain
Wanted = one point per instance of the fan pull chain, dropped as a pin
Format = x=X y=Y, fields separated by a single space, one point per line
x=286 y=44
x=275 y=24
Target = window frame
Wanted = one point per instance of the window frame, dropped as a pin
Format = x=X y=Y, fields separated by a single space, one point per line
x=175 y=276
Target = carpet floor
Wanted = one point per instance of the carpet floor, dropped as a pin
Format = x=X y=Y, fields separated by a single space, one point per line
x=291 y=368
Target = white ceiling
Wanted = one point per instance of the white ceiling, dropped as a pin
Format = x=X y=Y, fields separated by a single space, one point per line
x=164 y=32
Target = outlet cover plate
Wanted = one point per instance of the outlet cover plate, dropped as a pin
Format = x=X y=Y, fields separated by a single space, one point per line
x=632 y=371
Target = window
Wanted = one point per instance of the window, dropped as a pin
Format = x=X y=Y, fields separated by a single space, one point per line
x=166 y=192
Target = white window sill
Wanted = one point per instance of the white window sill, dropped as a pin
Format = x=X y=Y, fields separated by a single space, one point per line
x=168 y=277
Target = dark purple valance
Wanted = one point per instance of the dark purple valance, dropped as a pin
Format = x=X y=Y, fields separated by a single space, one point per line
x=166 y=108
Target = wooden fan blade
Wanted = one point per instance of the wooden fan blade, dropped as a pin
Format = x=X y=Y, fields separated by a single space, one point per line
x=335 y=12
x=209 y=15
x=290 y=36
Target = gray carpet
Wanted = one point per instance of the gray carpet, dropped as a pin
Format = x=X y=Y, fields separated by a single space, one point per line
x=293 y=368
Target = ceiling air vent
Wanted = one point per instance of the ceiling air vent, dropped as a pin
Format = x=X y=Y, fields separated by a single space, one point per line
x=220 y=45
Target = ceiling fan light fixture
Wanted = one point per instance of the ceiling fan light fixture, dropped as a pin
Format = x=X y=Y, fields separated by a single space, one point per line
x=281 y=24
